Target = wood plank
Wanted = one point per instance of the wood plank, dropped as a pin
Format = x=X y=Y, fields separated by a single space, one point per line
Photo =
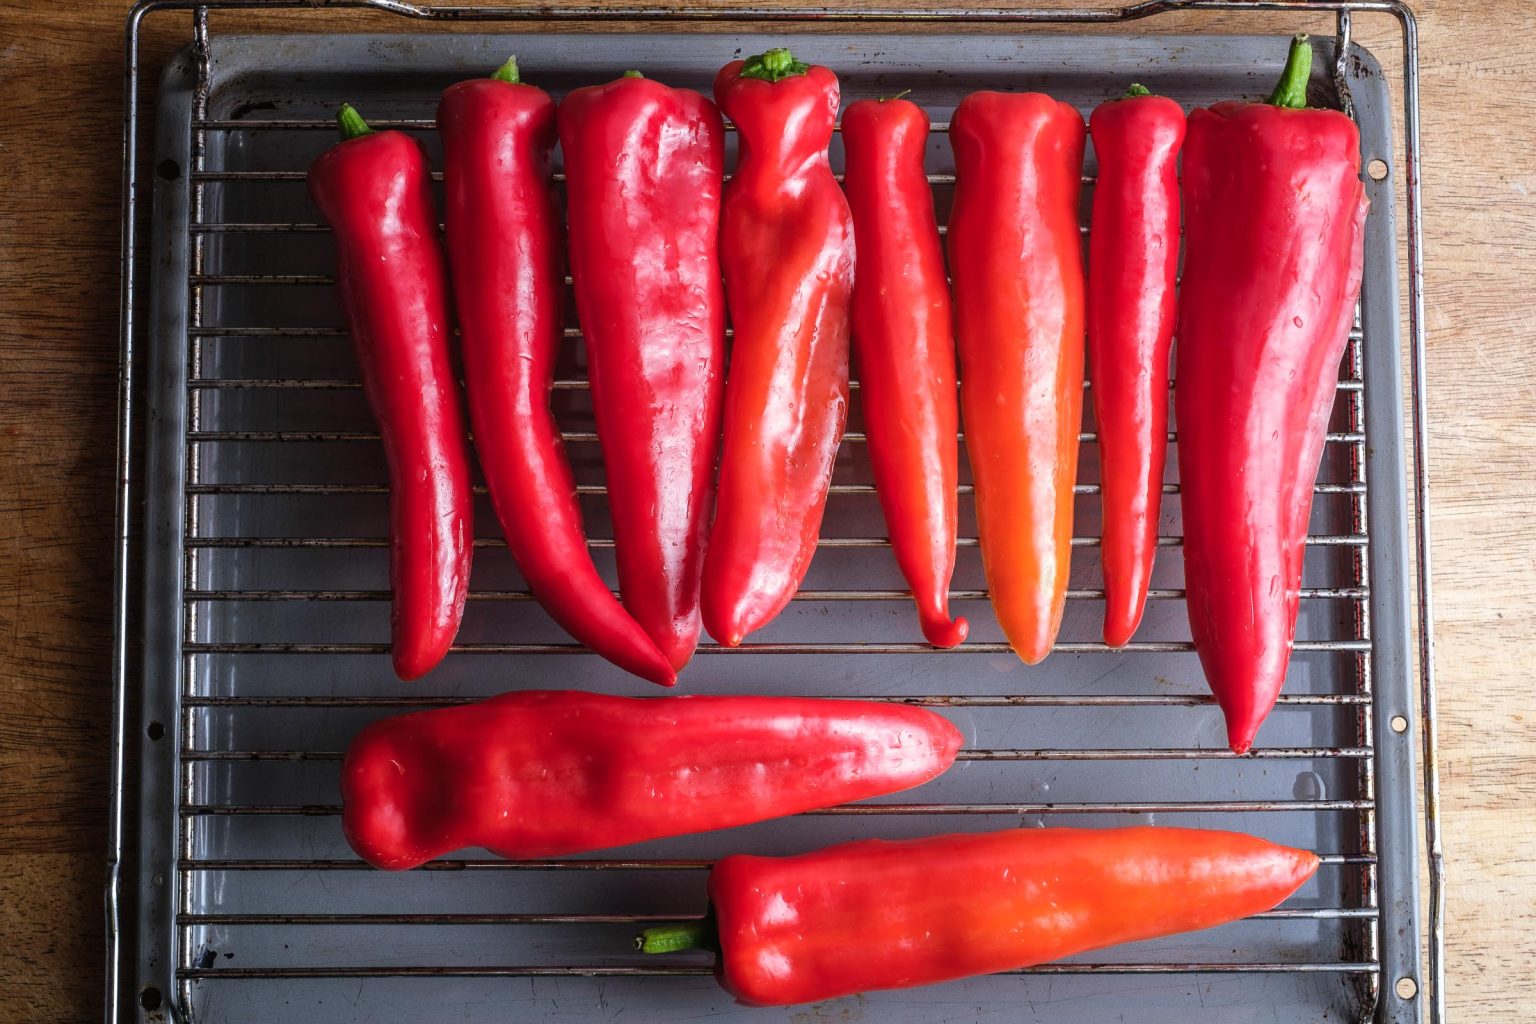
x=59 y=152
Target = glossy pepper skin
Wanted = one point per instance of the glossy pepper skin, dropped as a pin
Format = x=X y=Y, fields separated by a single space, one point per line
x=543 y=773
x=1274 y=245
x=505 y=246
x=1015 y=257
x=644 y=165
x=877 y=914
x=373 y=189
x=904 y=341
x=1133 y=258
x=786 y=247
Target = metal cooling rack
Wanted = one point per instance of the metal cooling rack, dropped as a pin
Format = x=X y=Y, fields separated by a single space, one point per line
x=262 y=602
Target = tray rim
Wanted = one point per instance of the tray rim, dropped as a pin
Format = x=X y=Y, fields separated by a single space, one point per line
x=1387 y=511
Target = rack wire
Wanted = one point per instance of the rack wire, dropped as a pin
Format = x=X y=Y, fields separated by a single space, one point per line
x=241 y=649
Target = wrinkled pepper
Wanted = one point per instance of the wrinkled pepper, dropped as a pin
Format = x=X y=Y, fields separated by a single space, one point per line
x=505 y=247
x=786 y=247
x=877 y=914
x=644 y=166
x=1015 y=256
x=1133 y=259
x=904 y=342
x=374 y=190
x=543 y=773
x=1274 y=245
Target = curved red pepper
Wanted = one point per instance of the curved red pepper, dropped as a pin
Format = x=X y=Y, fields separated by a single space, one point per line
x=1274 y=245
x=786 y=246
x=1133 y=259
x=644 y=165
x=904 y=339
x=373 y=188
x=543 y=773
x=504 y=243
x=877 y=914
x=1015 y=255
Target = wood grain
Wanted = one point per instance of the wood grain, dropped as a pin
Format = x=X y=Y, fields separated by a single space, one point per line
x=59 y=158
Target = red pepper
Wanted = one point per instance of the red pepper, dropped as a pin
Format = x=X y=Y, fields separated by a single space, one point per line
x=877 y=914
x=543 y=773
x=1274 y=244
x=786 y=248
x=504 y=242
x=904 y=339
x=1015 y=254
x=374 y=190
x=644 y=165
x=1133 y=258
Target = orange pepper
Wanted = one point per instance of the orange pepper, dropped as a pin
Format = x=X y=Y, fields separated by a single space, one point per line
x=877 y=915
x=1015 y=257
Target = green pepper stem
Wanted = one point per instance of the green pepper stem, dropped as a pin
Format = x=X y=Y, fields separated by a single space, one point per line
x=674 y=938
x=1291 y=91
x=633 y=74
x=351 y=123
x=1137 y=89
x=773 y=65
x=508 y=72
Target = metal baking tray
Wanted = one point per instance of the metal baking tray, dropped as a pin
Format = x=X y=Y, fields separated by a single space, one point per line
x=264 y=609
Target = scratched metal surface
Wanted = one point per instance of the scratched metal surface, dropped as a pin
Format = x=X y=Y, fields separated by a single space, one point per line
x=268 y=614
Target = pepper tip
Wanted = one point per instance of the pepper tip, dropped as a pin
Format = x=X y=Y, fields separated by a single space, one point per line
x=943 y=632
x=1118 y=631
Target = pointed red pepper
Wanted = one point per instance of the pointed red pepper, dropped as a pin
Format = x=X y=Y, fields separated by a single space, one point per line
x=504 y=240
x=1015 y=254
x=1133 y=259
x=374 y=190
x=1274 y=245
x=786 y=246
x=877 y=914
x=545 y=773
x=904 y=339
x=644 y=165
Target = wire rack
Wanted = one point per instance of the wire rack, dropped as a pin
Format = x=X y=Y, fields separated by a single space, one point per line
x=264 y=598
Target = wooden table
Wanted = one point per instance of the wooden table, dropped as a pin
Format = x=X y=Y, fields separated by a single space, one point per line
x=60 y=146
